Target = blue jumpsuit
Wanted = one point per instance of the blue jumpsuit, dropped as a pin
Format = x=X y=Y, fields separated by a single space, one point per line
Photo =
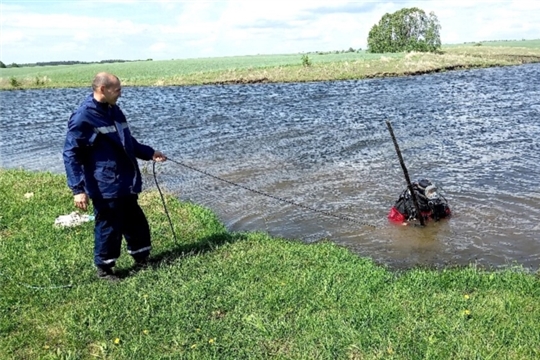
x=100 y=157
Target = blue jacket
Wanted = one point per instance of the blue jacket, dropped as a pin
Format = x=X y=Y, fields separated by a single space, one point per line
x=100 y=154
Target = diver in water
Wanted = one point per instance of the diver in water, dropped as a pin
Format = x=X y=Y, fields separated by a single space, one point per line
x=432 y=203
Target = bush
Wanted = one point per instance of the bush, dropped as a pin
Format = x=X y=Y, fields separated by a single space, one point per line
x=14 y=82
x=306 y=61
x=39 y=81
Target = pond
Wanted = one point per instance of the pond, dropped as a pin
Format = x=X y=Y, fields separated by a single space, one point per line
x=326 y=146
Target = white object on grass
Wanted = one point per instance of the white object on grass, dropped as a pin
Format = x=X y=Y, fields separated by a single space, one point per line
x=73 y=219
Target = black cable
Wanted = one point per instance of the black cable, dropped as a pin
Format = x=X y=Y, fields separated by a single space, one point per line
x=271 y=196
x=163 y=201
x=34 y=287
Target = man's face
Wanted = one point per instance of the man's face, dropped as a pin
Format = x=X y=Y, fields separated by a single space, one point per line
x=112 y=93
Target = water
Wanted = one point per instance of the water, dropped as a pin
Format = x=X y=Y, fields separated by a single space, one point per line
x=326 y=145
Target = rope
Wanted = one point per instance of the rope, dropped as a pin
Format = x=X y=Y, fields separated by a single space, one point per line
x=345 y=218
x=337 y=216
x=163 y=201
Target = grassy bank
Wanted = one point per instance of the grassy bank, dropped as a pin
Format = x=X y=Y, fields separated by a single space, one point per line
x=277 y=68
x=220 y=295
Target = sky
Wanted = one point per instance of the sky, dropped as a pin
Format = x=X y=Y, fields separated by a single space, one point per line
x=94 y=30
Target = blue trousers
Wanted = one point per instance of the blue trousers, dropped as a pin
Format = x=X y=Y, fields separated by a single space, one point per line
x=115 y=218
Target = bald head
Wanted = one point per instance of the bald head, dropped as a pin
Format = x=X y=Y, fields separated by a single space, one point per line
x=107 y=88
x=104 y=79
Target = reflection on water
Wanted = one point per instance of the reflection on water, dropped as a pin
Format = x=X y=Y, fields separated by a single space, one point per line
x=326 y=145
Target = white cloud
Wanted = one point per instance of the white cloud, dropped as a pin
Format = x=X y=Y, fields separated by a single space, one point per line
x=158 y=47
x=11 y=37
x=82 y=36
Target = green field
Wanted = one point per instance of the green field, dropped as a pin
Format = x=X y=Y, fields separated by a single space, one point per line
x=509 y=43
x=212 y=294
x=276 y=68
x=169 y=72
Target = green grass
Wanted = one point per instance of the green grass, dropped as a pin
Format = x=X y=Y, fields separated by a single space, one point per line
x=511 y=43
x=276 y=68
x=166 y=71
x=220 y=295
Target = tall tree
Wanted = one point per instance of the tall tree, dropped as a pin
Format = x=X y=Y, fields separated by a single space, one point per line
x=408 y=29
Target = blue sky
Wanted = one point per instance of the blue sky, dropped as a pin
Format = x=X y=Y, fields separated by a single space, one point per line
x=84 y=30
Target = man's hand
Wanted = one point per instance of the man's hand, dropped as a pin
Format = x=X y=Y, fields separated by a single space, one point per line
x=158 y=156
x=81 y=201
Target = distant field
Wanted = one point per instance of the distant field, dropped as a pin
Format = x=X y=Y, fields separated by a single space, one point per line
x=507 y=43
x=135 y=72
x=276 y=68
x=156 y=71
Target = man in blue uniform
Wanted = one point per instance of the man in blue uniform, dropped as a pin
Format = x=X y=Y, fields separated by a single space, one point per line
x=100 y=157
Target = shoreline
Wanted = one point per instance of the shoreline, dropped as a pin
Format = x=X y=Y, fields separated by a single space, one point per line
x=242 y=81
x=271 y=68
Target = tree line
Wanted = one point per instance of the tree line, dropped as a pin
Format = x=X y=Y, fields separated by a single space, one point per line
x=71 y=62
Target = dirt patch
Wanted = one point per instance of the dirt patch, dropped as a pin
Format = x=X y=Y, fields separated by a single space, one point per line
x=239 y=81
x=523 y=59
x=420 y=72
